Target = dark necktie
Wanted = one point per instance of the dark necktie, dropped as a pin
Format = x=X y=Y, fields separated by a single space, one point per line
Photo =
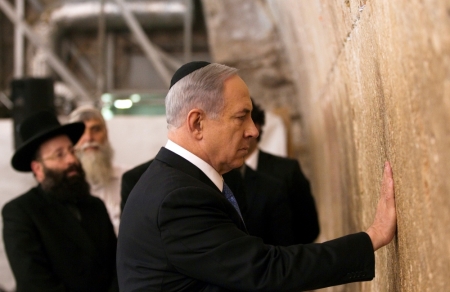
x=230 y=197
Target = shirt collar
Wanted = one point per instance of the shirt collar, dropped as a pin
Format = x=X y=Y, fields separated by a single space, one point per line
x=207 y=169
x=252 y=160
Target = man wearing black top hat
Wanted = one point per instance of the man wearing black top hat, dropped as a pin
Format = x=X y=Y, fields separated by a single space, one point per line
x=181 y=227
x=57 y=236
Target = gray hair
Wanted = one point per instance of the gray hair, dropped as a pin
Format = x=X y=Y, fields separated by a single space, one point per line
x=201 y=89
x=85 y=113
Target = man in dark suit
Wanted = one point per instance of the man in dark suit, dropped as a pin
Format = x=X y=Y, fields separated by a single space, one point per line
x=264 y=205
x=268 y=217
x=182 y=229
x=305 y=222
x=57 y=236
x=129 y=180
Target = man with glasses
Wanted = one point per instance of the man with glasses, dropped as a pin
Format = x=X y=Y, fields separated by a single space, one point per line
x=57 y=236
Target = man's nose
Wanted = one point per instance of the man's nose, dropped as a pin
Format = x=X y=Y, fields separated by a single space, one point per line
x=71 y=158
x=252 y=131
x=87 y=137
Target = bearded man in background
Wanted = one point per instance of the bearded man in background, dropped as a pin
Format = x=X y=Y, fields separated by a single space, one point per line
x=57 y=236
x=96 y=156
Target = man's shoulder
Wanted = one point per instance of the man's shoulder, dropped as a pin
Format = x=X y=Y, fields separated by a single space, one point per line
x=137 y=170
x=162 y=178
x=165 y=183
x=266 y=179
x=31 y=194
x=119 y=170
x=163 y=173
x=30 y=198
x=93 y=200
x=168 y=171
x=265 y=157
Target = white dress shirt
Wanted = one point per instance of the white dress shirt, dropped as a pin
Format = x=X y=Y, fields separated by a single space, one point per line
x=110 y=195
x=207 y=169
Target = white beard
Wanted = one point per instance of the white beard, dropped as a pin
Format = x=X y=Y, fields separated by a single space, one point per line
x=97 y=164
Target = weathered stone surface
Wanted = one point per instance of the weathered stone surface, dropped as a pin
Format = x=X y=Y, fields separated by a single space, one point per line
x=372 y=83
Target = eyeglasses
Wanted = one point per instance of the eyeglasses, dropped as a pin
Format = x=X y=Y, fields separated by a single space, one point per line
x=60 y=154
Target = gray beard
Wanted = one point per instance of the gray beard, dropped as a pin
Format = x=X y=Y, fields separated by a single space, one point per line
x=98 y=165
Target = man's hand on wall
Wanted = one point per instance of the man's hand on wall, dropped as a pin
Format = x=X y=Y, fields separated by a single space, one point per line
x=384 y=225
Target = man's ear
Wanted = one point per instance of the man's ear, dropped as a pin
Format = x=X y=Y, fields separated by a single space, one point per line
x=38 y=170
x=195 y=119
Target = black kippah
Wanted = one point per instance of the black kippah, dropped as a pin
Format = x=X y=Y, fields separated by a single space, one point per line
x=187 y=69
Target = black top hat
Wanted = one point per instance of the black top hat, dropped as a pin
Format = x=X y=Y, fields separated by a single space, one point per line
x=35 y=130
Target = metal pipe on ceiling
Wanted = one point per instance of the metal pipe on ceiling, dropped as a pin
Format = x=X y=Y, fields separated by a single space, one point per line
x=145 y=42
x=188 y=31
x=52 y=59
x=101 y=36
x=19 y=41
x=136 y=15
x=79 y=15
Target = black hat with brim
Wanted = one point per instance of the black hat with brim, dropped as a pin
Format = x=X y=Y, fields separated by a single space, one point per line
x=37 y=129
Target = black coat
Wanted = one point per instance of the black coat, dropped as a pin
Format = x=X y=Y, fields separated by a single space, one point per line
x=179 y=233
x=264 y=206
x=50 y=250
x=129 y=180
x=305 y=222
x=262 y=200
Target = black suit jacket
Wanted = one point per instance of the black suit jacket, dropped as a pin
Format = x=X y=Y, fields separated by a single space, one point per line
x=179 y=233
x=264 y=205
x=132 y=176
x=262 y=200
x=129 y=180
x=50 y=250
x=305 y=222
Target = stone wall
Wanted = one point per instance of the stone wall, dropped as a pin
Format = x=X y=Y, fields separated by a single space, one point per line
x=371 y=82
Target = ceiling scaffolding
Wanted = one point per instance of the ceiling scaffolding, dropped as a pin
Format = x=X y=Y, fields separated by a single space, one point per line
x=105 y=17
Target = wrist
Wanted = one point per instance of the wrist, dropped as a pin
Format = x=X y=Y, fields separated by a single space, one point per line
x=373 y=234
